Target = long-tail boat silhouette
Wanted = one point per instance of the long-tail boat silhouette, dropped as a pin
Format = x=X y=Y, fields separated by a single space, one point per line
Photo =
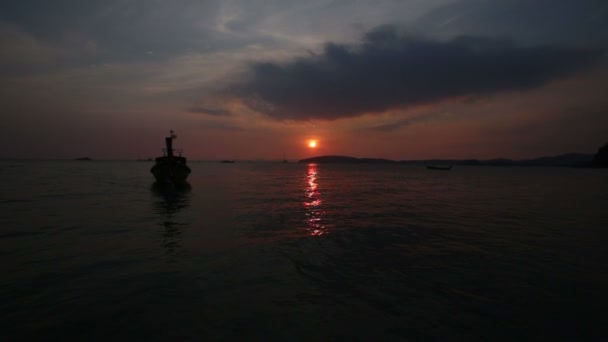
x=170 y=168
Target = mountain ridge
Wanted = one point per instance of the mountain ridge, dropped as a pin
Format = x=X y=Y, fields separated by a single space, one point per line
x=566 y=159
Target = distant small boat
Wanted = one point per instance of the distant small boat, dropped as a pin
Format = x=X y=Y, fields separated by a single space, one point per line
x=227 y=161
x=170 y=168
x=83 y=159
x=436 y=167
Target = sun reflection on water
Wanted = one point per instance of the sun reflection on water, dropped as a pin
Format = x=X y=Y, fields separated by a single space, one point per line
x=312 y=203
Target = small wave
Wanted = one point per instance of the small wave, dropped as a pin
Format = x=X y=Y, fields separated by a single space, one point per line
x=13 y=235
x=14 y=200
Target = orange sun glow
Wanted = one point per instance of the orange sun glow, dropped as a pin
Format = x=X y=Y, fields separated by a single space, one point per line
x=312 y=143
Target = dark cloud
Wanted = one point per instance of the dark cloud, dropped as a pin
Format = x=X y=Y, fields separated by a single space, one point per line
x=577 y=23
x=210 y=111
x=388 y=70
x=122 y=31
x=393 y=126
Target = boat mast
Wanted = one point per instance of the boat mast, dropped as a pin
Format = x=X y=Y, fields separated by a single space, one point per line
x=169 y=144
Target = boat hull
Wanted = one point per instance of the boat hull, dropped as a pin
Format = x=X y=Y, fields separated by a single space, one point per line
x=172 y=170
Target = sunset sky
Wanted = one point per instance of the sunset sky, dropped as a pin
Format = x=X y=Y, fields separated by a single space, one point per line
x=257 y=79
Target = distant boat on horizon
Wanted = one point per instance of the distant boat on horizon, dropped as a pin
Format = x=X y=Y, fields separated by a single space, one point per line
x=437 y=167
x=226 y=161
x=83 y=158
x=170 y=168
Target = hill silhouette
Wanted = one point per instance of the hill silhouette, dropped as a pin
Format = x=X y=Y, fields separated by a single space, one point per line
x=346 y=160
x=568 y=159
x=601 y=157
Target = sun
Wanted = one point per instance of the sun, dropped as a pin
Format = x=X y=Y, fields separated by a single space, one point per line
x=312 y=143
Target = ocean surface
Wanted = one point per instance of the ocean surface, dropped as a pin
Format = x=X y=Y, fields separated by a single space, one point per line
x=296 y=252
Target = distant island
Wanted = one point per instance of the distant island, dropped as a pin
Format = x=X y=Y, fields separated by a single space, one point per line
x=345 y=160
x=83 y=158
x=601 y=157
x=569 y=159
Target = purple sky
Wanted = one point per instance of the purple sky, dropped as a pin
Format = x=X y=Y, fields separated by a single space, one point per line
x=255 y=79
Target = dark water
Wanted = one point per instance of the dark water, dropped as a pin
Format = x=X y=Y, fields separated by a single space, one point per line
x=94 y=251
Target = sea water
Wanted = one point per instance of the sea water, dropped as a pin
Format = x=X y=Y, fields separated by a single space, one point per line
x=95 y=251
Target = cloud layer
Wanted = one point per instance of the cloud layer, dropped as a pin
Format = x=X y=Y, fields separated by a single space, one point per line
x=388 y=70
x=131 y=68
